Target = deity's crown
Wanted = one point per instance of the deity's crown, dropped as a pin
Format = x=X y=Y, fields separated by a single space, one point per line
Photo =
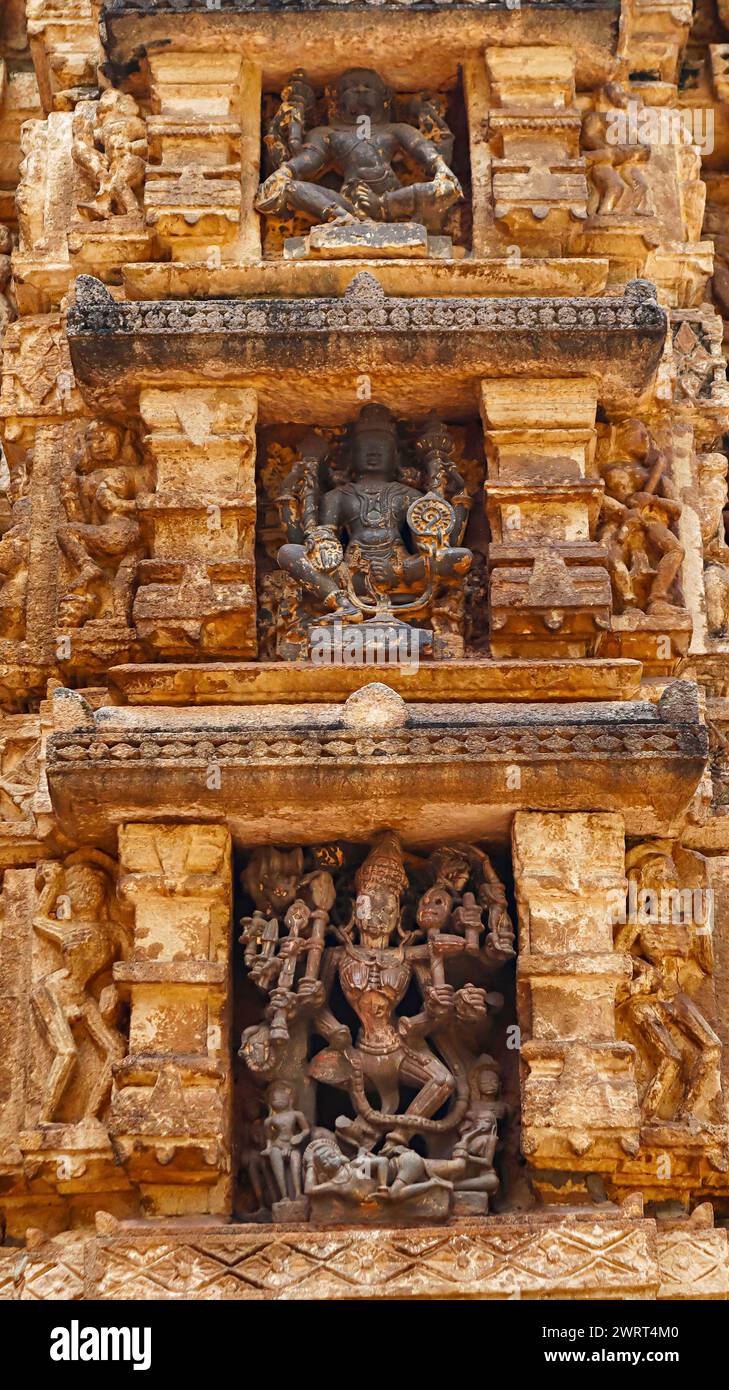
x=375 y=419
x=383 y=867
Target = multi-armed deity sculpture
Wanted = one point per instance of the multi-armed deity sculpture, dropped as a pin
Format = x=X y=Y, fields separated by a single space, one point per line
x=381 y=1101
x=374 y=546
x=369 y=149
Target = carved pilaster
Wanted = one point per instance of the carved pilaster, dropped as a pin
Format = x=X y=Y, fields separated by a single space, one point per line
x=548 y=586
x=197 y=593
x=170 y=1108
x=204 y=150
x=579 y=1099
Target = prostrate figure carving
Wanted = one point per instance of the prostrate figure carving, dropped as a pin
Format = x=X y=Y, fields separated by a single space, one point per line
x=346 y=543
x=75 y=915
x=363 y=144
x=428 y=1053
x=101 y=539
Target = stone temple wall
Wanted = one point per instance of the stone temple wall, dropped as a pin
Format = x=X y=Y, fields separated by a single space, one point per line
x=364 y=649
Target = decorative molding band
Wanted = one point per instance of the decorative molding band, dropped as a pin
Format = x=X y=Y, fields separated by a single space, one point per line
x=364 y=307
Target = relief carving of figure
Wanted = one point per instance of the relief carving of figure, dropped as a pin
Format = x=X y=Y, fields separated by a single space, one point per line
x=75 y=914
x=672 y=957
x=8 y=308
x=712 y=503
x=366 y=147
x=638 y=516
x=110 y=149
x=14 y=553
x=619 y=183
x=407 y=1071
x=101 y=539
x=375 y=543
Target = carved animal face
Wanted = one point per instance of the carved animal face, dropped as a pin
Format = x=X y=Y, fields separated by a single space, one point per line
x=272 y=877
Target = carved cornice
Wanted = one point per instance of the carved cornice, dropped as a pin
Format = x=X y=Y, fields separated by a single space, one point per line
x=365 y=307
x=617 y=338
x=121 y=763
x=114 y=8
x=505 y=743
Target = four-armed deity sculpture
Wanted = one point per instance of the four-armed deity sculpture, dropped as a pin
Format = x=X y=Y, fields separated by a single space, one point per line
x=375 y=546
x=367 y=147
x=361 y=1007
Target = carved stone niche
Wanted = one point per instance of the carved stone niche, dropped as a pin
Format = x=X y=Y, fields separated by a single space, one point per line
x=367 y=528
x=395 y=190
x=371 y=1032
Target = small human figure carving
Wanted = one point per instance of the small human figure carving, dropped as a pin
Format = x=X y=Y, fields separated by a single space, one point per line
x=285 y=1129
x=349 y=540
x=8 y=307
x=639 y=511
x=619 y=183
x=671 y=956
x=251 y=1162
x=14 y=554
x=101 y=539
x=109 y=146
x=63 y=999
x=362 y=144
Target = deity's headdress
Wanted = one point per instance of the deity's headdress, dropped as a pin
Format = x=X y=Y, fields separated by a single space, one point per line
x=383 y=867
x=375 y=419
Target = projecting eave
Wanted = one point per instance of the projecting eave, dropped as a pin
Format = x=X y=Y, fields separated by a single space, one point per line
x=435 y=349
x=314 y=772
x=402 y=40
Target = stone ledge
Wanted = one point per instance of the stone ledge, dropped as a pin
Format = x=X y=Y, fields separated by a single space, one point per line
x=533 y=1257
x=442 y=766
x=115 y=344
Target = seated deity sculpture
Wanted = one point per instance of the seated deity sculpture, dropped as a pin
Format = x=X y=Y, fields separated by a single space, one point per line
x=366 y=148
x=375 y=544
x=409 y=1069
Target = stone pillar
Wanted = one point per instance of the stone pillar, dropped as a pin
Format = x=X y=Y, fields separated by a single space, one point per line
x=549 y=590
x=579 y=1098
x=170 y=1115
x=66 y=48
x=476 y=93
x=539 y=183
x=197 y=594
x=204 y=146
